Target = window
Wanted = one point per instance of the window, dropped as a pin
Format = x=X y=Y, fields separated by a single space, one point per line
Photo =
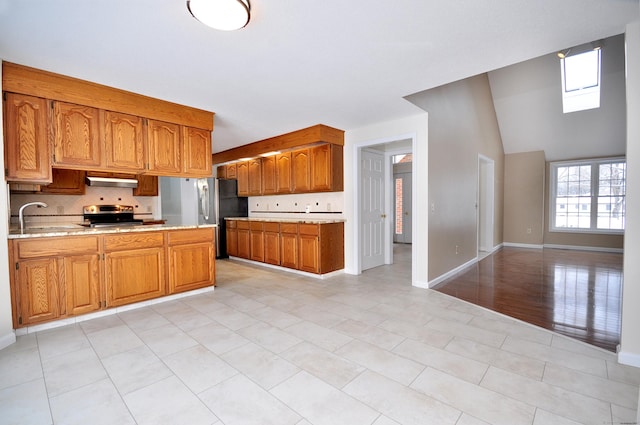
x=581 y=81
x=588 y=196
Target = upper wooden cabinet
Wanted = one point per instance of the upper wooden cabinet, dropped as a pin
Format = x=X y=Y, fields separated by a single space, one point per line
x=197 y=152
x=124 y=141
x=97 y=128
x=163 y=148
x=26 y=145
x=269 y=175
x=66 y=182
x=147 y=186
x=76 y=136
x=243 y=178
x=255 y=177
x=284 y=180
x=327 y=168
x=301 y=170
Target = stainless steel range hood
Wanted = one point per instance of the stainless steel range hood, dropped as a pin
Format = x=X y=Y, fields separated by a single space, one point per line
x=111 y=182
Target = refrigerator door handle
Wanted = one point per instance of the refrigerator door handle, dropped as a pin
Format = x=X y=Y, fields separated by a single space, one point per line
x=204 y=202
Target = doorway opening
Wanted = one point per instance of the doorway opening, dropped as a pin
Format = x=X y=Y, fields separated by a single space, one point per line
x=375 y=202
x=485 y=206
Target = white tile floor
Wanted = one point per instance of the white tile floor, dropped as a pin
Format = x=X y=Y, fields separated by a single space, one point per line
x=275 y=348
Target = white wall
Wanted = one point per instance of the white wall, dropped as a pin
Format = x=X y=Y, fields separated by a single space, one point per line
x=415 y=128
x=630 y=340
x=7 y=335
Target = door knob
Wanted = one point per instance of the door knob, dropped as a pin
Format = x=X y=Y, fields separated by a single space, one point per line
x=406 y=213
x=383 y=215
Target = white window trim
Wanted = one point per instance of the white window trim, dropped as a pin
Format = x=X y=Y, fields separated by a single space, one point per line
x=553 y=167
x=570 y=99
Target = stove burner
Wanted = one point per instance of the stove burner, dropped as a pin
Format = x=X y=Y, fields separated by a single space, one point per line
x=109 y=216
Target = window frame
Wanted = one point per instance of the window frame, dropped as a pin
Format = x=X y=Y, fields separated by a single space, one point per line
x=571 y=98
x=553 y=185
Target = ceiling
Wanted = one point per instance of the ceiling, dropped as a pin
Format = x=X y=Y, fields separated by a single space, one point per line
x=346 y=64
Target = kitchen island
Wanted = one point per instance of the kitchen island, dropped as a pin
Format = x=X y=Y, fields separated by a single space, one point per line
x=307 y=245
x=66 y=271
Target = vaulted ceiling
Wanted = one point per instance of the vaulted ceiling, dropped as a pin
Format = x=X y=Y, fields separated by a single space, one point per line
x=346 y=64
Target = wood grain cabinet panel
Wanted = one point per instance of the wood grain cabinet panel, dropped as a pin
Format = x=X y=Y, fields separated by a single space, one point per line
x=26 y=143
x=192 y=266
x=272 y=243
x=147 y=185
x=232 y=238
x=135 y=275
x=244 y=239
x=76 y=136
x=243 y=178
x=289 y=250
x=196 y=152
x=284 y=182
x=256 y=236
x=231 y=171
x=301 y=171
x=255 y=177
x=309 y=253
x=163 y=148
x=37 y=291
x=66 y=182
x=124 y=142
x=269 y=176
x=81 y=277
x=327 y=168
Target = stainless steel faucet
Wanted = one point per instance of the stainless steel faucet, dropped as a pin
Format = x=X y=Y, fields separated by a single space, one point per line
x=21 y=215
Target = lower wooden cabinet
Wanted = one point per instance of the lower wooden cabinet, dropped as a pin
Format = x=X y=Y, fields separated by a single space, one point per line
x=191 y=259
x=232 y=238
x=312 y=247
x=56 y=277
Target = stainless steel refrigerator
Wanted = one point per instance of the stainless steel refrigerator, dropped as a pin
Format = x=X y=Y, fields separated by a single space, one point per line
x=187 y=201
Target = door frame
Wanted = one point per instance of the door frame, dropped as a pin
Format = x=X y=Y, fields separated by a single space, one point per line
x=388 y=191
x=485 y=204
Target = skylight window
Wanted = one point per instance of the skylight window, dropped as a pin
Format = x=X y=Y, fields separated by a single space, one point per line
x=581 y=81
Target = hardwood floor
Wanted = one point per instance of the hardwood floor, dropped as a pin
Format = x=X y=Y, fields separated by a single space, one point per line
x=574 y=293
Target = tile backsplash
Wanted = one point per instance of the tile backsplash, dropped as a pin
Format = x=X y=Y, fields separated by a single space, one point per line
x=68 y=208
x=323 y=205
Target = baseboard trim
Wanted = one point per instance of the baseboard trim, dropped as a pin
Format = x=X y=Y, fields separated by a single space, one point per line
x=286 y=269
x=629 y=359
x=585 y=248
x=420 y=284
x=450 y=273
x=7 y=339
x=523 y=245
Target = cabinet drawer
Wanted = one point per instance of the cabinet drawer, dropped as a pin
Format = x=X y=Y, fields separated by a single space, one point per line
x=272 y=227
x=181 y=237
x=243 y=224
x=309 y=229
x=135 y=240
x=256 y=226
x=288 y=227
x=48 y=247
x=231 y=224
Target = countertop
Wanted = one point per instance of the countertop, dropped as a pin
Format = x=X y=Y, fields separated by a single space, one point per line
x=288 y=220
x=78 y=230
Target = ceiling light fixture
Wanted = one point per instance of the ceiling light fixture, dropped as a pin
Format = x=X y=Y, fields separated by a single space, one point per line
x=226 y=15
x=563 y=53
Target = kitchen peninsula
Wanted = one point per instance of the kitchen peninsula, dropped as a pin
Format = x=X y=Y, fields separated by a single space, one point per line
x=64 y=272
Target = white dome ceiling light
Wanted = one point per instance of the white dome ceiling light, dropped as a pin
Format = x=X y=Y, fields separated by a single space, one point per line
x=226 y=15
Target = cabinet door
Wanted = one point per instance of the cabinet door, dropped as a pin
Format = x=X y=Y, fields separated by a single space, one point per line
x=269 y=176
x=197 y=159
x=272 y=248
x=124 y=141
x=38 y=298
x=26 y=145
x=192 y=266
x=82 y=283
x=66 y=182
x=243 y=178
x=231 y=171
x=301 y=171
x=255 y=177
x=283 y=173
x=232 y=240
x=163 y=148
x=221 y=171
x=133 y=276
x=289 y=251
x=147 y=185
x=321 y=168
x=309 y=253
x=76 y=136
x=244 y=244
x=257 y=242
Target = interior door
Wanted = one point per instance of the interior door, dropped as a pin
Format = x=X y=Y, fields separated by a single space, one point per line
x=403 y=213
x=372 y=209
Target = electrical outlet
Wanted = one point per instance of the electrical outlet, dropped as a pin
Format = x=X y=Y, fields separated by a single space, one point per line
x=60 y=209
x=433 y=207
x=457 y=250
x=528 y=230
